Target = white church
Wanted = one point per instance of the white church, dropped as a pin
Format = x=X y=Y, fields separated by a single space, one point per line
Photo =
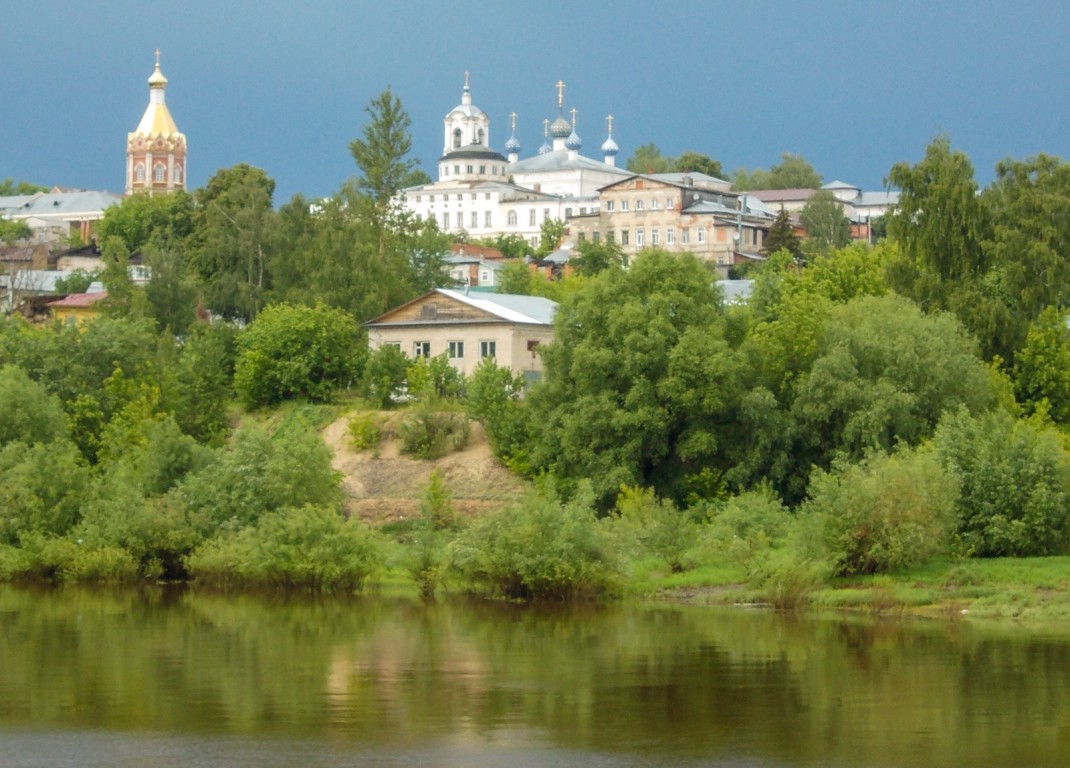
x=484 y=193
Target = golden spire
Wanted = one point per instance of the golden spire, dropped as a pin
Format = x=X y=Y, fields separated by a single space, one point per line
x=560 y=94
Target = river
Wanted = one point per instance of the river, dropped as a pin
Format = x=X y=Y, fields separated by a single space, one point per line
x=170 y=677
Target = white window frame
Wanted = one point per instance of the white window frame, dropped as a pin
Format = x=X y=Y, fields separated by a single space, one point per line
x=421 y=349
x=455 y=350
x=488 y=348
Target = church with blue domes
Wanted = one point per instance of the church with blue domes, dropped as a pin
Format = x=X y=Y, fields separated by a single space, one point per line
x=484 y=193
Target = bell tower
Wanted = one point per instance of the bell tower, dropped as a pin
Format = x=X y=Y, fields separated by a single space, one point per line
x=156 y=151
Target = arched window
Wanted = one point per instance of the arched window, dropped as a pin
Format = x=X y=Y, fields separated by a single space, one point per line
x=481 y=134
x=178 y=174
x=456 y=138
x=139 y=172
x=158 y=172
x=512 y=218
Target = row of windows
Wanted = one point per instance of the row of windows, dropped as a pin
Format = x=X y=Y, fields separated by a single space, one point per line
x=488 y=220
x=640 y=205
x=454 y=349
x=470 y=169
x=655 y=236
x=459 y=196
x=159 y=173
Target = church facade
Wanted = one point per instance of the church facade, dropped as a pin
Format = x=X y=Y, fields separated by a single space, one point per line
x=156 y=150
x=481 y=193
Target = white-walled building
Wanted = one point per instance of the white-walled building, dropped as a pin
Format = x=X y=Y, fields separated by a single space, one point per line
x=482 y=193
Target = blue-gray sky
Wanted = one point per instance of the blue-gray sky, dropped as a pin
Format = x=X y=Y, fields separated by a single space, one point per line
x=854 y=87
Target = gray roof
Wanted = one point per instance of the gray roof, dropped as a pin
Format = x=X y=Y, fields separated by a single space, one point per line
x=560 y=160
x=697 y=179
x=41 y=281
x=508 y=306
x=62 y=204
x=736 y=291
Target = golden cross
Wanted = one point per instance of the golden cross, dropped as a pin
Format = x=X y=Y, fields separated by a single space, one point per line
x=545 y=127
x=466 y=79
x=157 y=58
x=512 y=119
x=573 y=111
x=560 y=94
x=609 y=119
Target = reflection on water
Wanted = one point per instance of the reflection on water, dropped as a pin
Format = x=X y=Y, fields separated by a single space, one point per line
x=176 y=678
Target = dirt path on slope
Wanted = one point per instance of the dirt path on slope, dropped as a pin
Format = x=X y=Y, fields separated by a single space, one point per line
x=384 y=486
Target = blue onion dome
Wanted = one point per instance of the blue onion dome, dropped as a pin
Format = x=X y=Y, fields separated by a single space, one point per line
x=609 y=147
x=560 y=128
x=545 y=148
x=573 y=141
x=513 y=145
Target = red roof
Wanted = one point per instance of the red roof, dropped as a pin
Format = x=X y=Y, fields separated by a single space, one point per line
x=79 y=299
x=482 y=251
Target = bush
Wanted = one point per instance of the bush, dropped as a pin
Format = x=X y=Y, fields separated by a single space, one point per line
x=42 y=489
x=384 y=375
x=295 y=351
x=365 y=430
x=883 y=514
x=658 y=526
x=428 y=433
x=1015 y=480
x=433 y=378
x=493 y=399
x=104 y=565
x=540 y=549
x=309 y=547
x=744 y=526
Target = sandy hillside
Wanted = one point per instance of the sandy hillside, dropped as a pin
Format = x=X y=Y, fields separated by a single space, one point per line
x=389 y=486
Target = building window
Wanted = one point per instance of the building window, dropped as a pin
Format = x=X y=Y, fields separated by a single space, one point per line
x=609 y=206
x=417 y=198
x=685 y=236
x=640 y=238
x=475 y=219
x=611 y=236
x=431 y=198
x=395 y=344
x=701 y=235
x=511 y=219
x=654 y=204
x=445 y=220
x=669 y=204
x=487 y=348
x=482 y=170
x=624 y=205
x=473 y=195
x=595 y=236
x=670 y=236
x=493 y=172
x=468 y=169
x=457 y=168
x=624 y=237
x=455 y=350
x=582 y=236
x=158 y=172
x=486 y=195
x=456 y=138
x=445 y=198
x=486 y=219
x=568 y=212
x=545 y=214
x=484 y=277
x=139 y=172
x=178 y=174
x=654 y=239
x=531 y=217
x=638 y=205
x=421 y=349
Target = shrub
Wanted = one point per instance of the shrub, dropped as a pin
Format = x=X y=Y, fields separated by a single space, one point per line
x=1015 y=480
x=744 y=526
x=428 y=433
x=886 y=513
x=493 y=399
x=540 y=549
x=658 y=526
x=384 y=375
x=433 y=378
x=309 y=547
x=365 y=430
x=42 y=490
x=104 y=565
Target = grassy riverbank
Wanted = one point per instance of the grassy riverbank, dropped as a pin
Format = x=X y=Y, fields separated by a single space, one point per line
x=1025 y=589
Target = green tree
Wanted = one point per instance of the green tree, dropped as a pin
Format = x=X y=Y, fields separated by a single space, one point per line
x=792 y=172
x=550 y=234
x=384 y=375
x=594 y=257
x=231 y=255
x=493 y=398
x=77 y=281
x=826 y=225
x=696 y=162
x=170 y=293
x=13 y=231
x=782 y=236
x=28 y=412
x=1042 y=366
x=116 y=278
x=638 y=378
x=647 y=158
x=143 y=218
x=1015 y=480
x=382 y=152
x=9 y=188
x=297 y=352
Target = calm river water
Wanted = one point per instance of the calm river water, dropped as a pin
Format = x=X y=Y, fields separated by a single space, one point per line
x=173 y=678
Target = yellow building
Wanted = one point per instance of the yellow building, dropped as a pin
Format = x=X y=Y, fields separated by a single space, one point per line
x=77 y=308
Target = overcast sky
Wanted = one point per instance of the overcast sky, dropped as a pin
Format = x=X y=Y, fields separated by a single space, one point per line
x=854 y=87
